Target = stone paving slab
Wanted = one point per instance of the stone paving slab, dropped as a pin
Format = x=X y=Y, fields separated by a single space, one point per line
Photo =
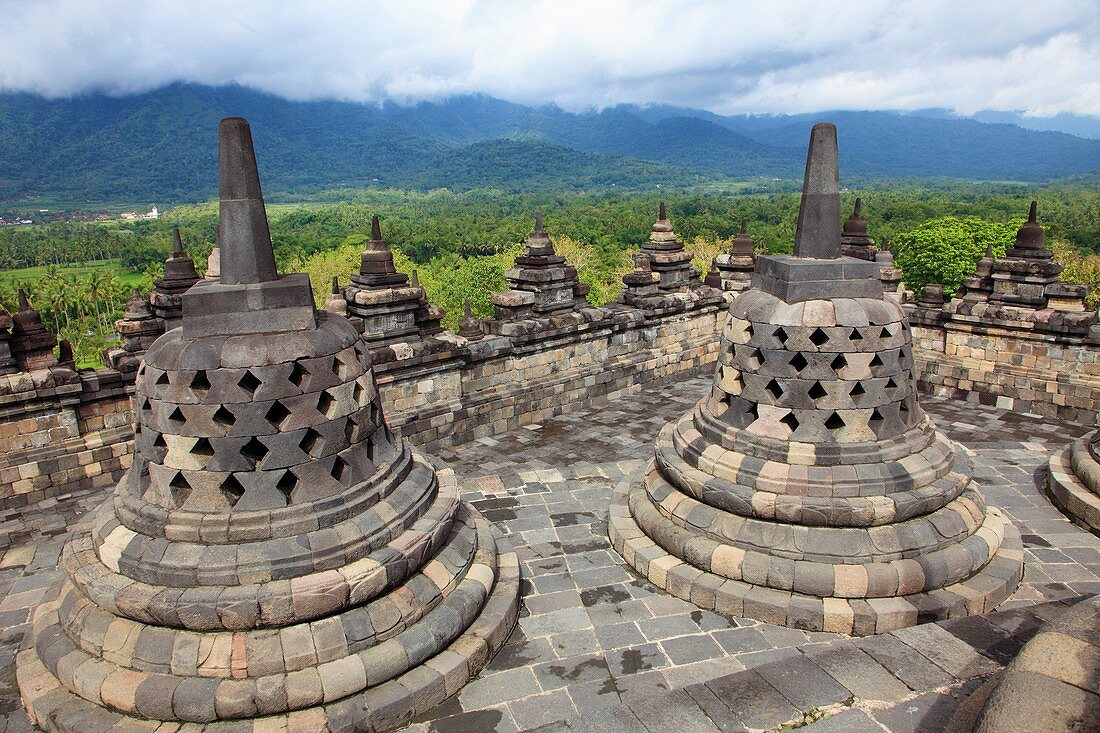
x=597 y=648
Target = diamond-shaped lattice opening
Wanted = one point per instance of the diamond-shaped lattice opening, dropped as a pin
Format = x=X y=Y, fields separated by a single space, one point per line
x=876 y=418
x=857 y=390
x=819 y=337
x=892 y=384
x=298 y=374
x=326 y=405
x=371 y=449
x=160 y=446
x=885 y=333
x=339 y=468
x=222 y=416
x=340 y=369
x=277 y=414
x=799 y=362
x=903 y=408
x=839 y=363
x=162 y=380
x=249 y=382
x=177 y=417
x=312 y=442
x=748 y=331
x=855 y=335
x=145 y=403
x=200 y=382
x=287 y=483
x=781 y=335
x=875 y=361
x=835 y=422
x=755 y=360
x=202 y=447
x=817 y=391
x=254 y=451
x=232 y=489
x=376 y=411
x=774 y=389
x=753 y=412
x=790 y=421
x=357 y=393
x=349 y=430
x=180 y=488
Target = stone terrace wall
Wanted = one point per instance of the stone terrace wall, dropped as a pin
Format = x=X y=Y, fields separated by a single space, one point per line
x=502 y=383
x=60 y=433
x=56 y=444
x=1025 y=371
x=53 y=444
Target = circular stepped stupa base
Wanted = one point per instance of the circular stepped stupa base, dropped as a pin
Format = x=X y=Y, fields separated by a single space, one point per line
x=385 y=706
x=978 y=593
x=1072 y=482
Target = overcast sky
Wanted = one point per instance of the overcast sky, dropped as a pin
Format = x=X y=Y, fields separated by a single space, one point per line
x=1041 y=56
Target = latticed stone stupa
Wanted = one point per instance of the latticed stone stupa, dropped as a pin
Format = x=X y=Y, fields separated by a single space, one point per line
x=276 y=559
x=809 y=488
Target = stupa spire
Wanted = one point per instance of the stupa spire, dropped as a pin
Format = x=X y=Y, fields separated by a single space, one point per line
x=177 y=243
x=1031 y=235
x=243 y=234
x=818 y=232
x=375 y=230
x=742 y=243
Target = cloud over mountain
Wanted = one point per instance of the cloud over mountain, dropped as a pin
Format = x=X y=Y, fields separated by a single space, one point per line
x=730 y=57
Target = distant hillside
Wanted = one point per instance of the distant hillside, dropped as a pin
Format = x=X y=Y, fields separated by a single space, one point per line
x=160 y=146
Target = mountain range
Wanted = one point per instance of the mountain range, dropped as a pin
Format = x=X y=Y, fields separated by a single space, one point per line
x=160 y=146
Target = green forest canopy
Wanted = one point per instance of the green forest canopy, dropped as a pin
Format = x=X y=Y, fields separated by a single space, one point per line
x=461 y=242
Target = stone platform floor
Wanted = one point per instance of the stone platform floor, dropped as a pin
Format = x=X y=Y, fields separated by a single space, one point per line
x=598 y=649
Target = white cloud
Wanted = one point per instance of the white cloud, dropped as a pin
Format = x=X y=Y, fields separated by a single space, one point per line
x=778 y=56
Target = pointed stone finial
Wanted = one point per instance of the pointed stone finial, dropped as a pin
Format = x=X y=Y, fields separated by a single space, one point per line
x=375 y=229
x=742 y=243
x=24 y=304
x=1031 y=236
x=661 y=216
x=469 y=326
x=137 y=307
x=858 y=210
x=538 y=223
x=177 y=243
x=713 y=278
x=415 y=279
x=335 y=285
x=818 y=232
x=243 y=235
x=65 y=355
